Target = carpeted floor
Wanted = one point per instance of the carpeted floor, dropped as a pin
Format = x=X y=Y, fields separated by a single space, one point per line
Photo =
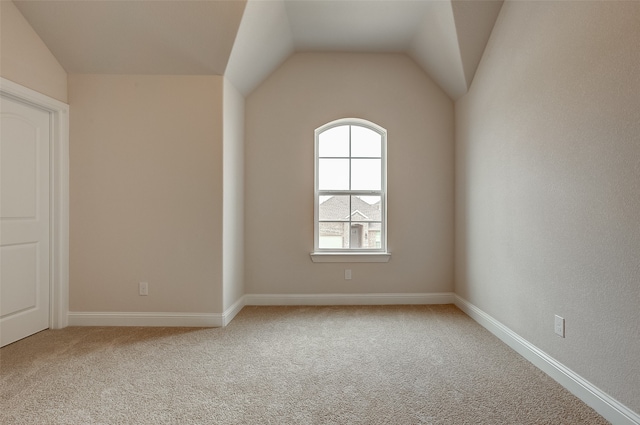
x=284 y=365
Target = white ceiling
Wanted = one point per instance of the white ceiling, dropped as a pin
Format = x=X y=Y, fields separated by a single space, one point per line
x=247 y=40
x=361 y=26
x=136 y=37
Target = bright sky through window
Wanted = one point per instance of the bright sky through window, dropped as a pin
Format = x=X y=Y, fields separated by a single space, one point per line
x=349 y=161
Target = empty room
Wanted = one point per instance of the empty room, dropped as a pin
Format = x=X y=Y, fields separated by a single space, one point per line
x=319 y=212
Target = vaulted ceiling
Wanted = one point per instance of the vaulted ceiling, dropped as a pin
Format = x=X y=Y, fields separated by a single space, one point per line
x=247 y=40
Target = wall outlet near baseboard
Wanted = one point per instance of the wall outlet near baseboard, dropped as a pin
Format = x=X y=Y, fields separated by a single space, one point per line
x=143 y=288
x=559 y=326
x=347 y=274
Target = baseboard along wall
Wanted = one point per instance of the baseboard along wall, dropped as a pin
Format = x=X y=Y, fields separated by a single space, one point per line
x=219 y=320
x=164 y=319
x=349 y=299
x=612 y=410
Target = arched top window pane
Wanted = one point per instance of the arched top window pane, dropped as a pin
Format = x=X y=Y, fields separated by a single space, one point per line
x=365 y=142
x=334 y=142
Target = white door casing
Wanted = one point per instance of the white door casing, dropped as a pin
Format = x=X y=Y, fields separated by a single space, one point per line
x=34 y=238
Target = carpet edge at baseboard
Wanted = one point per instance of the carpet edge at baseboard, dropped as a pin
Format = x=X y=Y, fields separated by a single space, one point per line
x=607 y=406
x=350 y=299
x=169 y=319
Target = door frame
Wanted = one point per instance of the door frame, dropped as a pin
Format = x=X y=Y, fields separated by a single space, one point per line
x=58 y=199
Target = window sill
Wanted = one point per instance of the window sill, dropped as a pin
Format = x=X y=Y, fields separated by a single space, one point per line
x=350 y=257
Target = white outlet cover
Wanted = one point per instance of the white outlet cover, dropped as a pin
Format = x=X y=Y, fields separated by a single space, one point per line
x=559 y=326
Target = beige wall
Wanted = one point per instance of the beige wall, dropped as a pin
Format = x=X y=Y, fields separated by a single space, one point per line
x=146 y=193
x=25 y=59
x=548 y=169
x=309 y=90
x=233 y=200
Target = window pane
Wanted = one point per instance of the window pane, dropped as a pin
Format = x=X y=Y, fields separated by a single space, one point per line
x=365 y=174
x=365 y=235
x=333 y=235
x=333 y=174
x=365 y=142
x=334 y=142
x=334 y=208
x=365 y=208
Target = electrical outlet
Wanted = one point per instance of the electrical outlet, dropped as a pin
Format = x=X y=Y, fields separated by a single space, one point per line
x=143 y=288
x=347 y=274
x=559 y=326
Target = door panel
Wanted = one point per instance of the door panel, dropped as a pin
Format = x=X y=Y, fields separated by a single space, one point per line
x=24 y=220
x=19 y=164
x=19 y=278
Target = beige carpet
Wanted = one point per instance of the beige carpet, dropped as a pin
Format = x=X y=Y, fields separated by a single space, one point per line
x=284 y=365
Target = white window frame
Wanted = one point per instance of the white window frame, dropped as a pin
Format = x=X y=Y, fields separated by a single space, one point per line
x=351 y=254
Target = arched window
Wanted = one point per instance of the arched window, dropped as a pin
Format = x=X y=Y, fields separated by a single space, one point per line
x=350 y=187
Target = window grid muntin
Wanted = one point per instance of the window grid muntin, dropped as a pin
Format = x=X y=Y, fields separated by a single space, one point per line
x=381 y=193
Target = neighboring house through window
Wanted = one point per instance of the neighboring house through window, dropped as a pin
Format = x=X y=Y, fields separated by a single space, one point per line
x=350 y=187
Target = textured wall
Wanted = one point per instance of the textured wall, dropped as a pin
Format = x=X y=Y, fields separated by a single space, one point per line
x=146 y=193
x=25 y=59
x=307 y=91
x=233 y=196
x=548 y=172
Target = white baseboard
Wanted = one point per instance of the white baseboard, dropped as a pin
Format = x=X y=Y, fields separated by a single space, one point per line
x=348 y=299
x=611 y=409
x=220 y=320
x=231 y=312
x=196 y=320
x=146 y=319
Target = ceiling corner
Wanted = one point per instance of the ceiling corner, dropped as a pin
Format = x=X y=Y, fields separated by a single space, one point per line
x=451 y=41
x=474 y=22
x=435 y=48
x=263 y=42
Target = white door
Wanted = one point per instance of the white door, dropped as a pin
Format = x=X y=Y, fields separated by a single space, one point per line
x=24 y=220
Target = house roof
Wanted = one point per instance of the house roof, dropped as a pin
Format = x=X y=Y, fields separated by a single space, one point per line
x=246 y=40
x=337 y=208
